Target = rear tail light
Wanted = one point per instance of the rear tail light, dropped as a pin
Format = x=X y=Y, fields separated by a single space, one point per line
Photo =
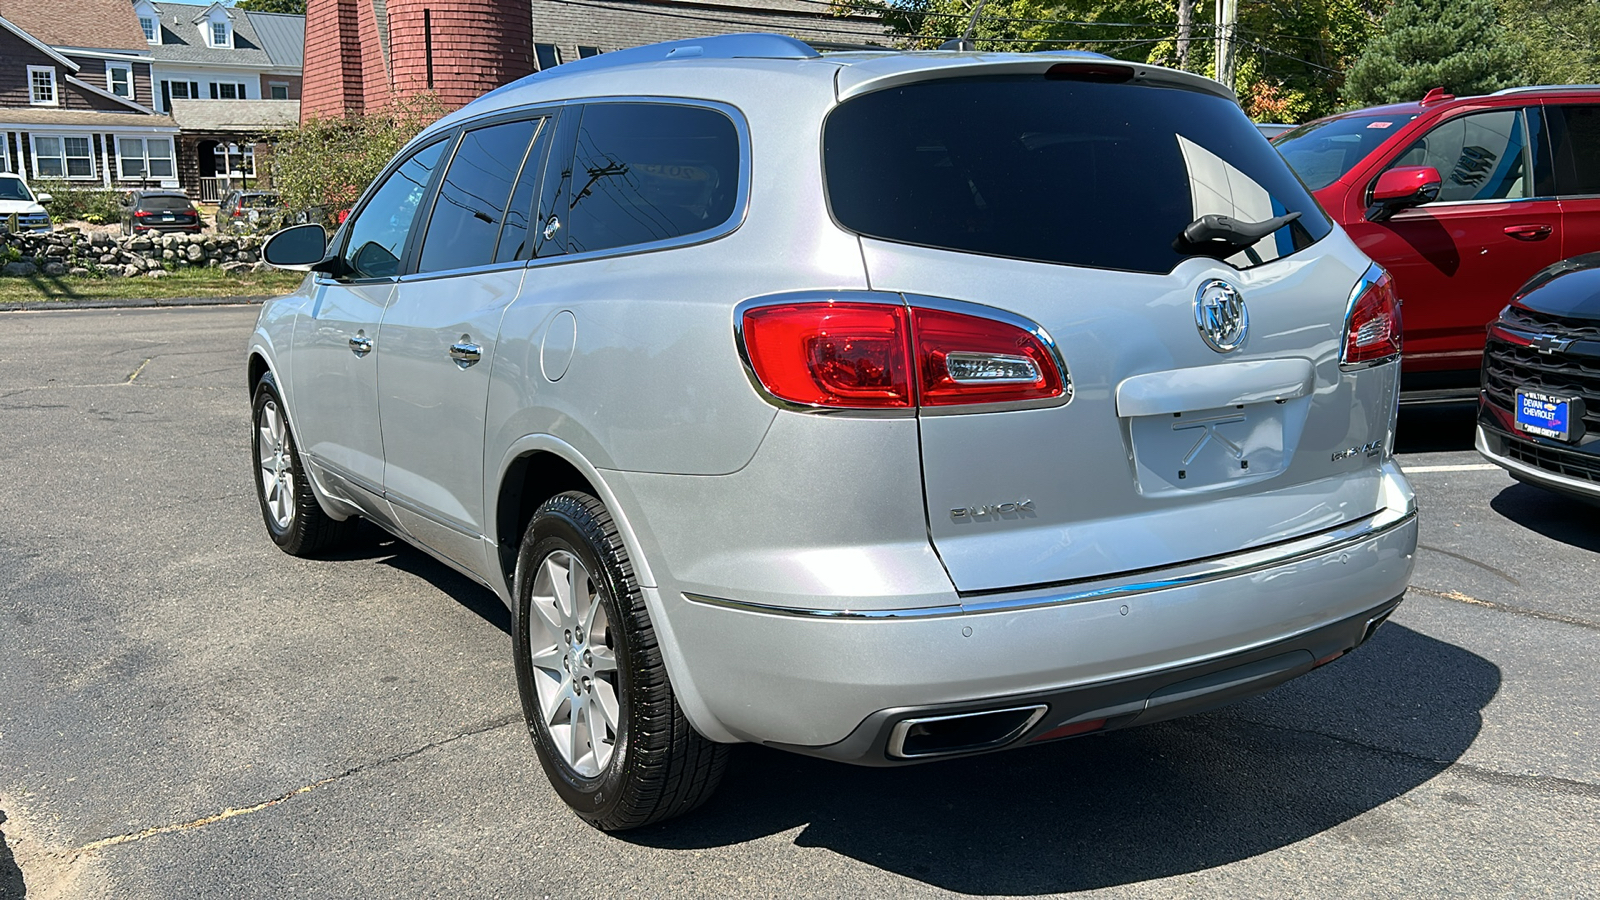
x=142 y=214
x=1372 y=327
x=858 y=355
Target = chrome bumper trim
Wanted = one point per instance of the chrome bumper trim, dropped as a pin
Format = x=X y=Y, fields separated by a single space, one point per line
x=1182 y=575
x=1534 y=473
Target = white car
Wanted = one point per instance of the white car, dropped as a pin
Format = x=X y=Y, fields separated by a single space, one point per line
x=16 y=198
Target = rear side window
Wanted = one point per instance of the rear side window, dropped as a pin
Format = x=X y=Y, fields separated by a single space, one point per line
x=1575 y=135
x=474 y=196
x=1090 y=174
x=647 y=172
x=1480 y=157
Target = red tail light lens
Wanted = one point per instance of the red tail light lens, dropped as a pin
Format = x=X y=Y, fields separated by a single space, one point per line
x=850 y=355
x=1372 y=329
x=968 y=359
x=847 y=355
x=142 y=214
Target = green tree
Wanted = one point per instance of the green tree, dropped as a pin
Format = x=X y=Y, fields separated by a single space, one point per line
x=293 y=7
x=329 y=162
x=1560 y=37
x=1423 y=44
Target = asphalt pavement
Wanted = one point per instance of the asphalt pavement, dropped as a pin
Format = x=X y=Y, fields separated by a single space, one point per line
x=185 y=711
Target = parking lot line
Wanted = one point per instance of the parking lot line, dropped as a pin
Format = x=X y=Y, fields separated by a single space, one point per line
x=1475 y=467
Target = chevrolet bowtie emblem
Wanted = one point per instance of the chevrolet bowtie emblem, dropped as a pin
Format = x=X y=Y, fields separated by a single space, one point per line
x=1549 y=343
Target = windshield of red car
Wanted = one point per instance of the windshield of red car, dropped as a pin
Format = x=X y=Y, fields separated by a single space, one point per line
x=1321 y=152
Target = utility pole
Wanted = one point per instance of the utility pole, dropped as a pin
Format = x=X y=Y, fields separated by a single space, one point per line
x=1227 y=47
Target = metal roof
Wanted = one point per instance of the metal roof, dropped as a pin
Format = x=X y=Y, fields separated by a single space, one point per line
x=283 y=37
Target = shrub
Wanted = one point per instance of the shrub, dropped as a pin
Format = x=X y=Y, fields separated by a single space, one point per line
x=327 y=163
x=74 y=201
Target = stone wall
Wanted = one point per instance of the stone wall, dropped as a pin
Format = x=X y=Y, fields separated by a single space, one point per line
x=70 y=252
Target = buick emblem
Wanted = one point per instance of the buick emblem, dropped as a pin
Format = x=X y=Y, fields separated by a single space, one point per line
x=1220 y=314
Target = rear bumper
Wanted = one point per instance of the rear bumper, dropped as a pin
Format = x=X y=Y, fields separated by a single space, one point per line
x=835 y=684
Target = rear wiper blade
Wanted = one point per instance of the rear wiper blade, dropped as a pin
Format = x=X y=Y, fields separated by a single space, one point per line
x=1223 y=236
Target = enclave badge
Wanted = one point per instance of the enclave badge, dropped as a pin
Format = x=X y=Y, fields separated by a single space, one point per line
x=1220 y=314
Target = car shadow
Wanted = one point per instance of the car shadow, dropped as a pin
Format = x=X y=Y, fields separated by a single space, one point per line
x=1436 y=429
x=12 y=885
x=1556 y=516
x=373 y=543
x=1153 y=802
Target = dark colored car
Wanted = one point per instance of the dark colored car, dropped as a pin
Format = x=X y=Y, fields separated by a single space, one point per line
x=145 y=211
x=1539 y=410
x=245 y=211
x=1461 y=199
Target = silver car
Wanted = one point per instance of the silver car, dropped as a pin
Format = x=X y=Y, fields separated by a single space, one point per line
x=881 y=407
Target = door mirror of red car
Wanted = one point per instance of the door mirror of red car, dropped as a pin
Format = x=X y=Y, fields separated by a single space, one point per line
x=299 y=247
x=1402 y=188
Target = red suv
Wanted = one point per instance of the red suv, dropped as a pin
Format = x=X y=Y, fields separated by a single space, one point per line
x=1462 y=199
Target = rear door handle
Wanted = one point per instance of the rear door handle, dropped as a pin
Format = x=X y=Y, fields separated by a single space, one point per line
x=465 y=353
x=1533 y=232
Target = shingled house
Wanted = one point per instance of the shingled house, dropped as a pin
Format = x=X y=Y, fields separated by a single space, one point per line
x=75 y=96
x=363 y=54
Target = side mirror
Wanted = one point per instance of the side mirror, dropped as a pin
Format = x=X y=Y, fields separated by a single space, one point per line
x=298 y=248
x=42 y=198
x=1402 y=188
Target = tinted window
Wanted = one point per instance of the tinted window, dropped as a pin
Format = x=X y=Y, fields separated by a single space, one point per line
x=165 y=203
x=534 y=201
x=473 y=196
x=1321 y=152
x=1103 y=175
x=1479 y=156
x=647 y=172
x=13 y=189
x=377 y=235
x=1575 y=135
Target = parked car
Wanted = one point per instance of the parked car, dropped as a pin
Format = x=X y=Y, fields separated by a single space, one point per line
x=853 y=405
x=17 y=199
x=249 y=211
x=145 y=211
x=1539 y=410
x=1461 y=199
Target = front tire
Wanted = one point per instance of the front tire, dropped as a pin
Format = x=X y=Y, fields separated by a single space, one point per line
x=595 y=693
x=294 y=518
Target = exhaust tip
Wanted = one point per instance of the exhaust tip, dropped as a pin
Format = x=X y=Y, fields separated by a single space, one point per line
x=930 y=736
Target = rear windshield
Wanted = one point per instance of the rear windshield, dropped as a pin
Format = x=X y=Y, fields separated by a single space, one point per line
x=259 y=200
x=1321 y=152
x=164 y=203
x=1089 y=174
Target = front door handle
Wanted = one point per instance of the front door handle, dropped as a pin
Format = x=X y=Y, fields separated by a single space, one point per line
x=361 y=345
x=465 y=352
x=1533 y=232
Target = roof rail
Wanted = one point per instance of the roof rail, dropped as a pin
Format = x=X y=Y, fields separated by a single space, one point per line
x=1547 y=87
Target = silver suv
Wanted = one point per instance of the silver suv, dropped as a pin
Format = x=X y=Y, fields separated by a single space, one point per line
x=882 y=407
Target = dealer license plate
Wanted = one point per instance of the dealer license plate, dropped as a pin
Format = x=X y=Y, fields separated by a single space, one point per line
x=1546 y=414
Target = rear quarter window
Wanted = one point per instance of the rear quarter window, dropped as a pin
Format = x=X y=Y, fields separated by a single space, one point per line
x=1073 y=172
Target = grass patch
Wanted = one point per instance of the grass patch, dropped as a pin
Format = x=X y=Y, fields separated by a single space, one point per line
x=43 y=289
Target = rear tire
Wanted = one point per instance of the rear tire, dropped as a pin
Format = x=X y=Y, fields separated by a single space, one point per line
x=294 y=518
x=595 y=693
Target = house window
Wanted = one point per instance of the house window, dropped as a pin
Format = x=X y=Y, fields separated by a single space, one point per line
x=548 y=56
x=144 y=158
x=42 y=86
x=223 y=90
x=149 y=26
x=62 y=156
x=219 y=34
x=5 y=161
x=233 y=159
x=119 y=80
x=279 y=90
x=586 y=52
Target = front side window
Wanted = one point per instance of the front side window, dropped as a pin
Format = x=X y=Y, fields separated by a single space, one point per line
x=1575 y=135
x=1479 y=156
x=42 y=86
x=144 y=158
x=119 y=80
x=1058 y=170
x=377 y=235
x=62 y=156
x=474 y=197
x=646 y=172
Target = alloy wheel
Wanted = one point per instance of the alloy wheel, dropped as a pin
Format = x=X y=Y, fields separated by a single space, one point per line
x=574 y=664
